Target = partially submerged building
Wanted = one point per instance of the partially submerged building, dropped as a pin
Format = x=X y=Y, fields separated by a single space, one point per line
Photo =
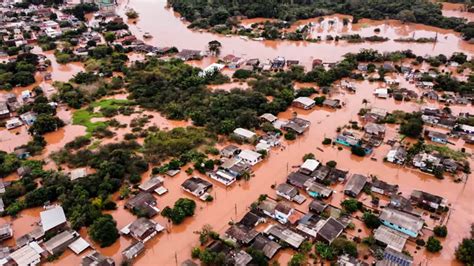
x=142 y=229
x=143 y=203
x=355 y=185
x=60 y=242
x=196 y=186
x=330 y=230
x=285 y=235
x=53 y=219
x=94 y=258
x=403 y=222
x=133 y=251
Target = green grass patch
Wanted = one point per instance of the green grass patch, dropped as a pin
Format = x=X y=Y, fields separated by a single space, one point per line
x=84 y=116
x=446 y=152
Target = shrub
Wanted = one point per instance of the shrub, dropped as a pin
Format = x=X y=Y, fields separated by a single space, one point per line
x=351 y=205
x=195 y=252
x=331 y=164
x=308 y=156
x=370 y=220
x=433 y=245
x=290 y=135
x=420 y=242
x=327 y=141
x=242 y=74
x=358 y=151
x=441 y=231
x=465 y=251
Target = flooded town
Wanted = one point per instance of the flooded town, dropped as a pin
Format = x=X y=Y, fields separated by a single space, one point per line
x=177 y=132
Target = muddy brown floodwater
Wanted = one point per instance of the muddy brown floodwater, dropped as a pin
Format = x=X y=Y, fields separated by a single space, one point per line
x=229 y=204
x=169 y=30
x=457 y=10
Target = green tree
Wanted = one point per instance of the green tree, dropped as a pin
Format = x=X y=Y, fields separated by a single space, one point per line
x=412 y=127
x=298 y=259
x=433 y=245
x=326 y=252
x=358 y=150
x=441 y=230
x=46 y=123
x=308 y=156
x=370 y=220
x=351 y=205
x=104 y=230
x=465 y=251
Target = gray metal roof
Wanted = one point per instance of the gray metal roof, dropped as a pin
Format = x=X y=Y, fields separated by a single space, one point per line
x=52 y=218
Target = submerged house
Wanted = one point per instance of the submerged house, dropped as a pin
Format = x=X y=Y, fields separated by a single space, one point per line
x=297 y=125
x=286 y=191
x=403 y=222
x=332 y=103
x=241 y=234
x=305 y=103
x=133 y=251
x=285 y=235
x=53 y=219
x=317 y=190
x=355 y=185
x=283 y=212
x=196 y=186
x=229 y=151
x=94 y=258
x=60 y=242
x=186 y=55
x=268 y=247
x=330 y=230
x=390 y=238
x=428 y=201
x=437 y=137
x=151 y=184
x=383 y=188
x=143 y=203
x=397 y=155
x=27 y=255
x=223 y=176
x=142 y=229
x=309 y=166
x=250 y=157
x=244 y=133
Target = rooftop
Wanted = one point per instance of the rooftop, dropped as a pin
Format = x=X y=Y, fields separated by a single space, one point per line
x=286 y=235
x=94 y=258
x=241 y=233
x=403 y=219
x=392 y=238
x=27 y=255
x=52 y=218
x=331 y=229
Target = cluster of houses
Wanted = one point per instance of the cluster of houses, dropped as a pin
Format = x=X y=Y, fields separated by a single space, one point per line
x=36 y=22
x=238 y=162
x=50 y=237
x=272 y=225
x=11 y=104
